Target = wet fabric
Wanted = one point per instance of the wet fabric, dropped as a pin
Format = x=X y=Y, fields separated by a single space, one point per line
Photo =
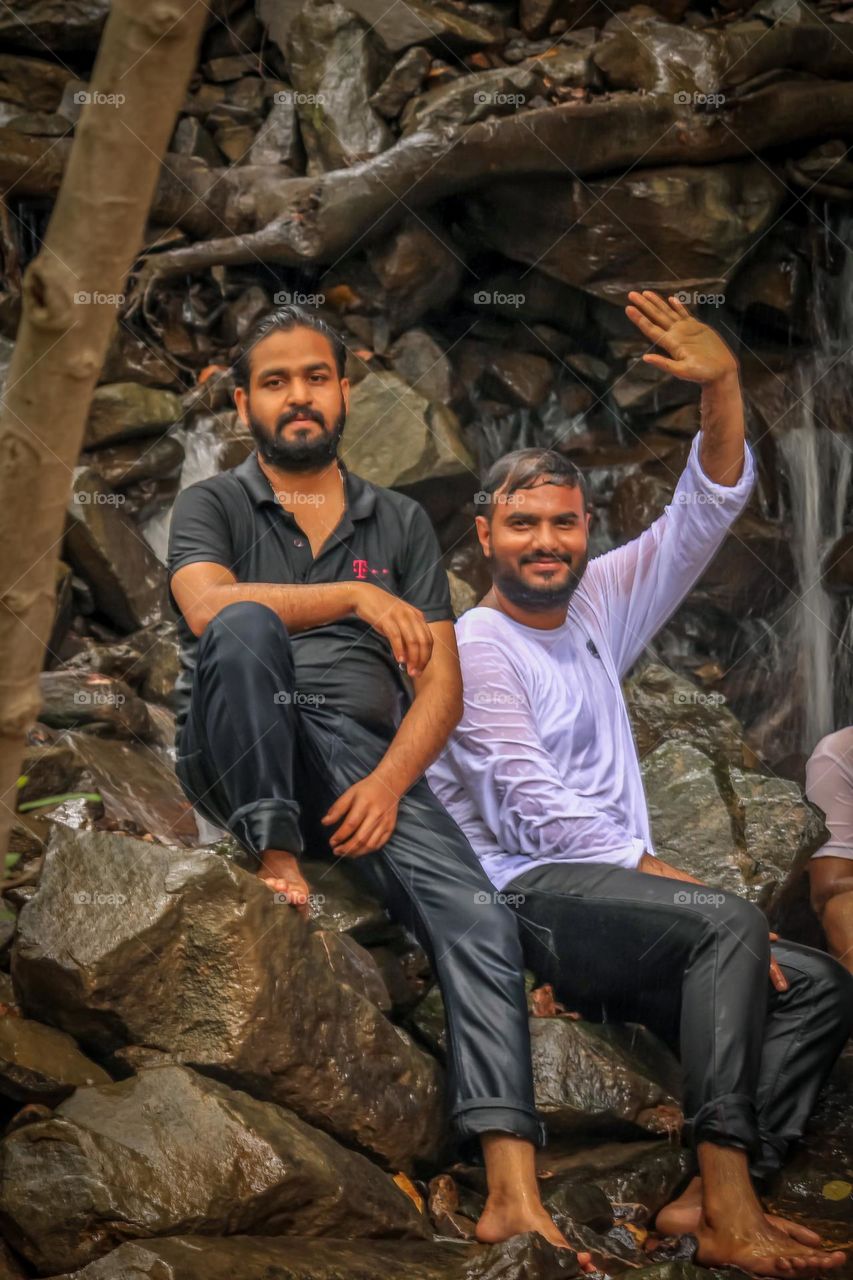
x=266 y=765
x=691 y=963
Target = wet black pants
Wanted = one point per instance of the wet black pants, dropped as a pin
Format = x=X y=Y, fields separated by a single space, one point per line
x=691 y=963
x=264 y=761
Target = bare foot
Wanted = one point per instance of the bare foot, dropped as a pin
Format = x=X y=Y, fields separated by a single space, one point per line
x=682 y=1217
x=500 y=1221
x=762 y=1250
x=280 y=871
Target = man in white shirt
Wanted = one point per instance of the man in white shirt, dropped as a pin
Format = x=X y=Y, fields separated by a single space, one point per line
x=543 y=777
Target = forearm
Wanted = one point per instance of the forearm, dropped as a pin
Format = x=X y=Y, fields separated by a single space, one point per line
x=423 y=731
x=721 y=440
x=655 y=866
x=299 y=607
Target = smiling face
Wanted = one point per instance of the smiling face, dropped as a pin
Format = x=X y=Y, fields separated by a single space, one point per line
x=295 y=405
x=537 y=544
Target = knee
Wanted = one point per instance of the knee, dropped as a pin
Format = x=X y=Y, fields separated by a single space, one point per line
x=829 y=987
x=741 y=922
x=244 y=629
x=832 y=898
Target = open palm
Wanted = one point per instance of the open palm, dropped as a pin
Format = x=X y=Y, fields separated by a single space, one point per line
x=694 y=351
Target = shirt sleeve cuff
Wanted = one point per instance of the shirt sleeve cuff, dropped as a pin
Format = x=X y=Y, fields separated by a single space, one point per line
x=731 y=492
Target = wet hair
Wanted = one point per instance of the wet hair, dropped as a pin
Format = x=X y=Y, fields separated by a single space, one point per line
x=284 y=319
x=526 y=468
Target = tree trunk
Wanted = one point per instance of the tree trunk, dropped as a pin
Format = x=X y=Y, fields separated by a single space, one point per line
x=138 y=83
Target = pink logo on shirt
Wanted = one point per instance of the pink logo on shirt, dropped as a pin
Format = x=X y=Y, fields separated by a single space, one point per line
x=362 y=569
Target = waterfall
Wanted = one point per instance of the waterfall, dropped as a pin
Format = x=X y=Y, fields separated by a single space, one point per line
x=817 y=462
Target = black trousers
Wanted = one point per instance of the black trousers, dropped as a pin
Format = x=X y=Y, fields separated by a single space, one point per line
x=691 y=963
x=265 y=761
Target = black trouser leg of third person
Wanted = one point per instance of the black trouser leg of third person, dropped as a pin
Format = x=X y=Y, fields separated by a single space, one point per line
x=254 y=761
x=692 y=964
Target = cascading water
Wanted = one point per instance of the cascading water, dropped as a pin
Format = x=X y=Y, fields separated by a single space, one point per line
x=202 y=447
x=817 y=462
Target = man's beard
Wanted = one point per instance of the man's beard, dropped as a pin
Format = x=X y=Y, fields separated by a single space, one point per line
x=298 y=455
x=534 y=598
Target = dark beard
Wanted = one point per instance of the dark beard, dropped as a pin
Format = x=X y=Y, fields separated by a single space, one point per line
x=308 y=455
x=537 y=599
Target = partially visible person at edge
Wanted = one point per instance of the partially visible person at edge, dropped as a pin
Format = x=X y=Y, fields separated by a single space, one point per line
x=302 y=590
x=542 y=775
x=829 y=785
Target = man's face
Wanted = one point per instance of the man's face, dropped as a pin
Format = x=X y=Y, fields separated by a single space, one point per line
x=296 y=405
x=537 y=544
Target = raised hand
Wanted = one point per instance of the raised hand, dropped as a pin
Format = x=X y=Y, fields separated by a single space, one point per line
x=694 y=351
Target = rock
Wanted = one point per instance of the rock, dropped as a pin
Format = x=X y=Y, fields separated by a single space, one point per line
x=838 y=565
x=690 y=822
x=638 y=1178
x=779 y=828
x=128 y=582
x=33 y=83
x=72 y=698
x=352 y=965
x=334 y=72
x=416 y=22
x=120 y=465
x=340 y=904
x=61 y=26
x=420 y=361
x=519 y=378
x=395 y=437
x=403 y=81
x=279 y=140
x=462 y=595
x=697 y=220
x=138 y=787
x=224 y=978
x=499 y=92
x=586 y=1081
x=129 y=359
x=192 y=139
x=296 y=1258
x=640 y=51
x=41 y=1064
x=170 y=1152
x=123 y=409
x=664 y=706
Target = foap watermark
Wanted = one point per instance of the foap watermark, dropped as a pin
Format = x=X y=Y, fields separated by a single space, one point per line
x=97 y=299
x=698 y=897
x=693 y=298
x=695 y=697
x=287 y=298
x=94 y=98
x=698 y=499
x=294 y=98
x=696 y=99
x=496 y=698
x=85 y=899
x=314 y=900
x=98 y=698
x=299 y=499
x=483 y=97
x=295 y=698
x=99 y=499
x=492 y=297
x=484 y=898
x=482 y=498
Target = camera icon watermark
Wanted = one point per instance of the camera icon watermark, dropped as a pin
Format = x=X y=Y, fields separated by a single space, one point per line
x=293 y=97
x=98 y=499
x=314 y=900
x=83 y=298
x=696 y=697
x=694 y=298
x=94 y=98
x=492 y=297
x=287 y=297
x=82 y=898
x=485 y=897
x=98 y=698
x=709 y=101
x=698 y=897
x=295 y=698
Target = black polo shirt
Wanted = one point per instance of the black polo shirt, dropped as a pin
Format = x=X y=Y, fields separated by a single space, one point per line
x=383 y=538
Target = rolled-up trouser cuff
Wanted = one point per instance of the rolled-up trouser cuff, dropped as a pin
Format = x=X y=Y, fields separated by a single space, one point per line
x=489 y=1115
x=268 y=824
x=770 y=1157
x=728 y=1121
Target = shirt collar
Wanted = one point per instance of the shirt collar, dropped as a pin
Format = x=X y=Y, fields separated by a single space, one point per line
x=360 y=494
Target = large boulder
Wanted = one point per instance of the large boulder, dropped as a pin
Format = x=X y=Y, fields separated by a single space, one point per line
x=295 y=1258
x=170 y=1152
x=127 y=942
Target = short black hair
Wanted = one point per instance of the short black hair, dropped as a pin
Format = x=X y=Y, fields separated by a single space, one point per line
x=524 y=468
x=284 y=319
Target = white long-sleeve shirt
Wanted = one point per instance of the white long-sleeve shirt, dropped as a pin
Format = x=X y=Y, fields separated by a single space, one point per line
x=543 y=766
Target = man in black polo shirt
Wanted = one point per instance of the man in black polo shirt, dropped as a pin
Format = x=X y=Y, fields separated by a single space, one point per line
x=304 y=595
